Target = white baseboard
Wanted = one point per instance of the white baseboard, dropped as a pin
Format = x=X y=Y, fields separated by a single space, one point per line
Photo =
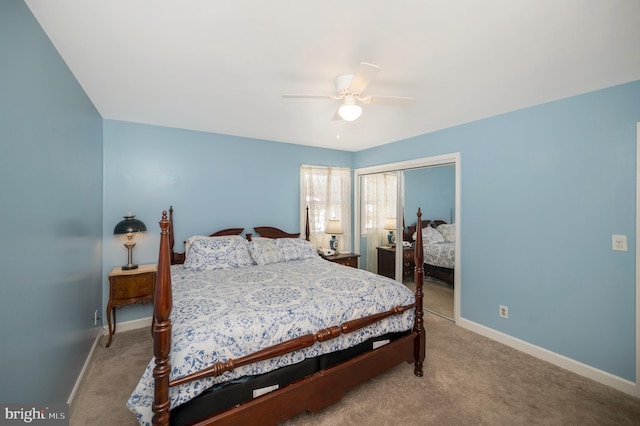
x=124 y=326
x=72 y=395
x=562 y=361
x=131 y=325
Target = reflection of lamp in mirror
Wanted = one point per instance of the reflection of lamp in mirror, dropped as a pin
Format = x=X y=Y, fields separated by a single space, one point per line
x=130 y=226
x=334 y=227
x=390 y=225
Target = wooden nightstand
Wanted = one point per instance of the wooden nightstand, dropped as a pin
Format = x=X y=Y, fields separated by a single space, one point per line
x=128 y=287
x=387 y=261
x=347 y=259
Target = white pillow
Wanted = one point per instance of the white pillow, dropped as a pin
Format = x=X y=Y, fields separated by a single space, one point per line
x=295 y=249
x=218 y=253
x=448 y=231
x=264 y=251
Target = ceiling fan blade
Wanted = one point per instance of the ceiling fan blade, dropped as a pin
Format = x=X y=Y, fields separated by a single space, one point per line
x=336 y=116
x=389 y=100
x=308 y=96
x=363 y=76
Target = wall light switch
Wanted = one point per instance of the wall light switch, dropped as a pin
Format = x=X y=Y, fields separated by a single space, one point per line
x=619 y=242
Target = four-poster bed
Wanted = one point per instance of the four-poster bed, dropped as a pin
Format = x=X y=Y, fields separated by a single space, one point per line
x=332 y=374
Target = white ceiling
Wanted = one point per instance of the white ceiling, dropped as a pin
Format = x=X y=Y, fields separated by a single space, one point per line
x=222 y=66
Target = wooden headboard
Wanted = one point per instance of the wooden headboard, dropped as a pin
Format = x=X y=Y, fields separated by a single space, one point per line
x=263 y=231
x=179 y=258
x=271 y=232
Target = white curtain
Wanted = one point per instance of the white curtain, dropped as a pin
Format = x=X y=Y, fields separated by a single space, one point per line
x=379 y=198
x=327 y=193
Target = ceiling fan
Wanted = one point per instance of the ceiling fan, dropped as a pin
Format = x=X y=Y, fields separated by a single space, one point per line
x=350 y=90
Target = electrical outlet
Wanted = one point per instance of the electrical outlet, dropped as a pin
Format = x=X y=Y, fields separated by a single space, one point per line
x=95 y=318
x=619 y=242
x=503 y=311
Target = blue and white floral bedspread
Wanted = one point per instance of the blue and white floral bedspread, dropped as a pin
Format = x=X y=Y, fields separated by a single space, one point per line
x=440 y=254
x=225 y=314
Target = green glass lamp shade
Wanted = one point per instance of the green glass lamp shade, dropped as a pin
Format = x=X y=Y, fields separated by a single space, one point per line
x=130 y=226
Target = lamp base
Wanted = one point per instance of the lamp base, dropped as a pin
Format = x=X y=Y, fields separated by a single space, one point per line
x=391 y=238
x=333 y=243
x=129 y=245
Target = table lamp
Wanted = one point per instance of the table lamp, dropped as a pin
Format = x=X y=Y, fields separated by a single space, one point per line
x=390 y=225
x=129 y=227
x=334 y=227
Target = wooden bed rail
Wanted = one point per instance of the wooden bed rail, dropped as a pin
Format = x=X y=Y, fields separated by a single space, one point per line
x=295 y=344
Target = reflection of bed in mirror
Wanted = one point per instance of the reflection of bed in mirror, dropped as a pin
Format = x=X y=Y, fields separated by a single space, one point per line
x=438 y=241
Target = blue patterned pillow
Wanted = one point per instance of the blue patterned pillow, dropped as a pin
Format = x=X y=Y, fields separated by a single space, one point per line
x=295 y=249
x=448 y=231
x=264 y=251
x=218 y=253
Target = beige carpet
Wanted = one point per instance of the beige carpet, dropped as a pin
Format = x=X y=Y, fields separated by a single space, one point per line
x=438 y=296
x=469 y=380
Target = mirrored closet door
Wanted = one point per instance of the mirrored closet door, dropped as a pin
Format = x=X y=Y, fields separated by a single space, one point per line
x=433 y=190
x=387 y=199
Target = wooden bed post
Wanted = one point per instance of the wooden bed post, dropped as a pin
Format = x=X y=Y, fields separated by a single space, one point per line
x=162 y=328
x=307 y=230
x=171 y=236
x=418 y=277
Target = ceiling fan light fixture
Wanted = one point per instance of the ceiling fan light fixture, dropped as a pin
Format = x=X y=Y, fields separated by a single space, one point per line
x=349 y=110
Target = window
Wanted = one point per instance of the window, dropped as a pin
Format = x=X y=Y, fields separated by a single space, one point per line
x=327 y=193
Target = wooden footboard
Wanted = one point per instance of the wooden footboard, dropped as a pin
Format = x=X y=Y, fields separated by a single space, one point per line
x=317 y=391
x=311 y=393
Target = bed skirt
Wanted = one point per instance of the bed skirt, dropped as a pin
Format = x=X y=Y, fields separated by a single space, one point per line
x=439 y=273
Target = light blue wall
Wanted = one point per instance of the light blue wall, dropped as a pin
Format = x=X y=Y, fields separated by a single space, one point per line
x=213 y=181
x=542 y=191
x=51 y=196
x=433 y=189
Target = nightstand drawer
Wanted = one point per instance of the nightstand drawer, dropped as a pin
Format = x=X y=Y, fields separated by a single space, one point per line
x=133 y=286
x=349 y=261
x=387 y=261
x=346 y=259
